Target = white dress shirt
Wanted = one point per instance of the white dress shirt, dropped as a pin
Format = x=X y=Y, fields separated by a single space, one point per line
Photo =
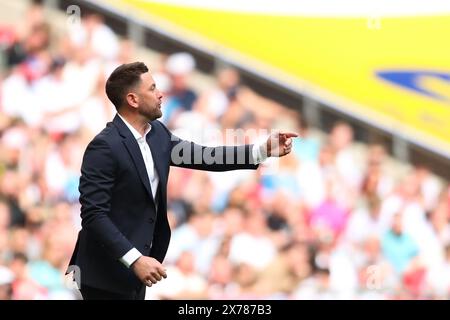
x=258 y=153
x=132 y=255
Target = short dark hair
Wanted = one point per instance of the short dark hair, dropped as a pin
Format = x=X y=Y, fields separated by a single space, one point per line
x=123 y=78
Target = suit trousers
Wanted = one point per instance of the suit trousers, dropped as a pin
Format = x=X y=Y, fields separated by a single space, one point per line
x=90 y=293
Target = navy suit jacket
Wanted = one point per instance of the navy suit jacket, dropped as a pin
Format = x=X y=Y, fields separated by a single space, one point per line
x=117 y=207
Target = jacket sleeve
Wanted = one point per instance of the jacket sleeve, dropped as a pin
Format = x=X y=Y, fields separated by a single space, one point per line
x=190 y=155
x=96 y=184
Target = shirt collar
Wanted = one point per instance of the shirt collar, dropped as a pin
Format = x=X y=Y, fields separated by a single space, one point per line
x=135 y=133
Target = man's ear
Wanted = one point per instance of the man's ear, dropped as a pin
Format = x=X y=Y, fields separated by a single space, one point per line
x=132 y=99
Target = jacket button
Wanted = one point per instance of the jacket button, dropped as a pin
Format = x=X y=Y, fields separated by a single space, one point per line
x=146 y=247
x=151 y=220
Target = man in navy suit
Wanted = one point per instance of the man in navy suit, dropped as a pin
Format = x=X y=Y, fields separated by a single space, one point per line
x=125 y=232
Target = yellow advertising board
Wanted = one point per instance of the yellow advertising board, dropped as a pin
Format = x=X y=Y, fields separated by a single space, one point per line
x=392 y=71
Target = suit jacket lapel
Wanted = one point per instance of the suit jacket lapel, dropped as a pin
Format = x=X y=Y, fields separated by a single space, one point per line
x=133 y=149
x=136 y=155
x=152 y=140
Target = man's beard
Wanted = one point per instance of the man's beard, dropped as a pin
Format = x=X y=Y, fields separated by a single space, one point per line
x=152 y=114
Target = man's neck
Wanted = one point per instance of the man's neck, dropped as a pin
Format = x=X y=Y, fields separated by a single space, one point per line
x=137 y=123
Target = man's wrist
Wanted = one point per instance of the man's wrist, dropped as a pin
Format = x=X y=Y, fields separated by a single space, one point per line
x=130 y=257
x=263 y=148
x=259 y=152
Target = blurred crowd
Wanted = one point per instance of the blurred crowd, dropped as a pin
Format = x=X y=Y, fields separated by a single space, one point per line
x=333 y=220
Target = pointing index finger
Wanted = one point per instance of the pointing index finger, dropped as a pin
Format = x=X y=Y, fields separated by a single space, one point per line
x=289 y=134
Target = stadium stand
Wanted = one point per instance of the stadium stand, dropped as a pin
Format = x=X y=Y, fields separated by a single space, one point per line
x=337 y=219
